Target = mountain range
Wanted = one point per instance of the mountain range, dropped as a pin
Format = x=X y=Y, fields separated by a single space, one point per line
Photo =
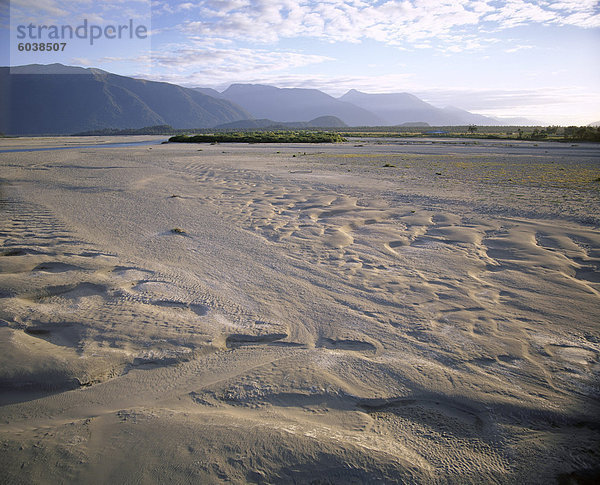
x=57 y=99
x=294 y=104
x=265 y=123
x=53 y=99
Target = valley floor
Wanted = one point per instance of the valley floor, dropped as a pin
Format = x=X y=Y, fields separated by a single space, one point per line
x=377 y=311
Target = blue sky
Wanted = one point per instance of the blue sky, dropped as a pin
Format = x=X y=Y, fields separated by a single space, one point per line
x=515 y=58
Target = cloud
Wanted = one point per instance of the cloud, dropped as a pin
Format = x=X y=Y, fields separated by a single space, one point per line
x=517 y=12
x=188 y=56
x=48 y=12
x=200 y=66
x=38 y=7
x=394 y=22
x=333 y=85
x=81 y=61
x=334 y=20
x=518 y=48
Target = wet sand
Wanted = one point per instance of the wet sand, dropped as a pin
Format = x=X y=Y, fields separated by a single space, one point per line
x=378 y=311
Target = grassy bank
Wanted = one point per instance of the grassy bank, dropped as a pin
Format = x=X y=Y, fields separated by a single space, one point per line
x=262 y=137
x=532 y=133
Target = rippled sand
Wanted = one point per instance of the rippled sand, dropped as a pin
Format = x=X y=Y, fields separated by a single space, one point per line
x=278 y=313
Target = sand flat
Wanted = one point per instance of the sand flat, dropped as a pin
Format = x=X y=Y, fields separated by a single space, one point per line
x=278 y=313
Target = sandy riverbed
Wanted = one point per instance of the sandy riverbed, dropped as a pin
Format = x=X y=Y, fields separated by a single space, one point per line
x=316 y=316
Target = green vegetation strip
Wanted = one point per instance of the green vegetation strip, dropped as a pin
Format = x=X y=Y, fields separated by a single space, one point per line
x=262 y=137
x=532 y=133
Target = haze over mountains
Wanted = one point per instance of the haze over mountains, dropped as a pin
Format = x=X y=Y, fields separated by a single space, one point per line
x=57 y=99
x=399 y=108
x=294 y=104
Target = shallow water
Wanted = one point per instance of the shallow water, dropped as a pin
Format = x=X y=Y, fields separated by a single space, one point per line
x=98 y=145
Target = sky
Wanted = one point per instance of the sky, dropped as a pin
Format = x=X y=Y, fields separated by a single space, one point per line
x=534 y=59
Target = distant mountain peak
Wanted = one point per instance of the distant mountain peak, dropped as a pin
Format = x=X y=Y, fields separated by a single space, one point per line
x=292 y=104
x=400 y=108
x=55 y=68
x=243 y=87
